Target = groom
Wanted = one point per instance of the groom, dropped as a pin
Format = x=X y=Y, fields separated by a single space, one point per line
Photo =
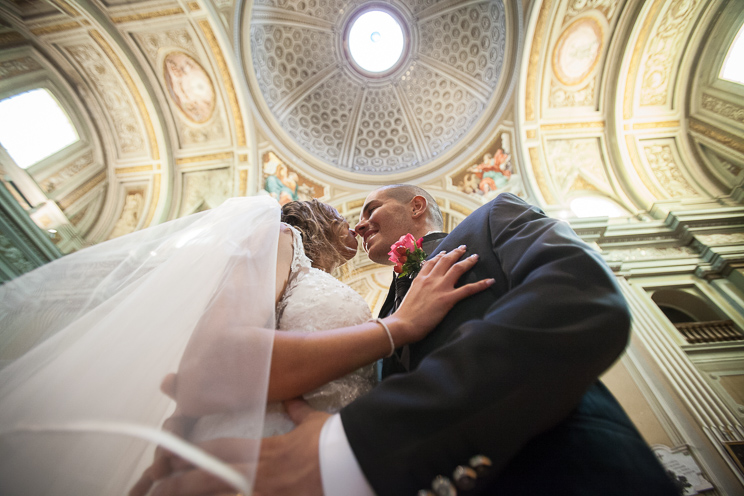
x=502 y=396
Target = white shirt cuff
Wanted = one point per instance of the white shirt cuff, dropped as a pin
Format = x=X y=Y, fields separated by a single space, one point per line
x=340 y=473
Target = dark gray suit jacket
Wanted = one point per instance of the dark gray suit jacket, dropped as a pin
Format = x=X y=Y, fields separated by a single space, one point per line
x=511 y=373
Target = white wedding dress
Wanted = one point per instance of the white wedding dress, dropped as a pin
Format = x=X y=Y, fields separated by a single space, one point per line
x=86 y=340
x=313 y=301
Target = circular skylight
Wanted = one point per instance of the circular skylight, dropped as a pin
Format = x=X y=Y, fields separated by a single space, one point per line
x=376 y=41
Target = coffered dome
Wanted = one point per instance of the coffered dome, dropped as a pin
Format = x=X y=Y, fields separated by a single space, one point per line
x=449 y=83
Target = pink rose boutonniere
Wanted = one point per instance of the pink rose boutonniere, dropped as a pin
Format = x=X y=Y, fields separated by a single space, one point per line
x=407 y=255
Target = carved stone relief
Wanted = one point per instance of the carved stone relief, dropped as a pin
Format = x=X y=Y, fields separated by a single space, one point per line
x=721 y=239
x=16 y=67
x=134 y=205
x=116 y=99
x=649 y=253
x=725 y=109
x=664 y=165
x=577 y=164
x=578 y=7
x=663 y=51
x=13 y=256
x=207 y=189
x=51 y=183
x=582 y=97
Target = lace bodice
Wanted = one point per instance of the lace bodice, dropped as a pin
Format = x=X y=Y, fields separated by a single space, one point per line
x=312 y=301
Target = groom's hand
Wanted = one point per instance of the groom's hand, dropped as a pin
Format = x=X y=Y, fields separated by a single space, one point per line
x=289 y=464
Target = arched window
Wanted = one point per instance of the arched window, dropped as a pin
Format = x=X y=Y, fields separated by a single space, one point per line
x=34 y=126
x=733 y=65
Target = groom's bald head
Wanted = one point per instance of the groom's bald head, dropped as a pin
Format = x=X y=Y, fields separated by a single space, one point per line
x=393 y=211
x=404 y=193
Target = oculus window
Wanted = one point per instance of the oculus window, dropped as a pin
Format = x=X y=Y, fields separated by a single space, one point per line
x=34 y=126
x=376 y=41
x=733 y=65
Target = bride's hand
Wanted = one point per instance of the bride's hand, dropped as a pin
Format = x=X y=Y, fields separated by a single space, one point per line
x=432 y=295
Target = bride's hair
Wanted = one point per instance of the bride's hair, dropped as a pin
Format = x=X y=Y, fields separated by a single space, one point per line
x=320 y=226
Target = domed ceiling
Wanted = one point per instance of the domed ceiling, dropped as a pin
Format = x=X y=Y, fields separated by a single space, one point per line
x=450 y=81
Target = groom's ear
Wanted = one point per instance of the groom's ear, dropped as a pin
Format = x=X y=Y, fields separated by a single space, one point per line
x=419 y=207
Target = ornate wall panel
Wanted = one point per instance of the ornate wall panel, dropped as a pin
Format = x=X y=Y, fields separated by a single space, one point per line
x=178 y=62
x=202 y=190
x=113 y=94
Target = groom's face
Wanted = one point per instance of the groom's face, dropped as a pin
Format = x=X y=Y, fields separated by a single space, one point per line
x=382 y=222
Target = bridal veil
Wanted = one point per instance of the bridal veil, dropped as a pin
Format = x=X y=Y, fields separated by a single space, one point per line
x=86 y=340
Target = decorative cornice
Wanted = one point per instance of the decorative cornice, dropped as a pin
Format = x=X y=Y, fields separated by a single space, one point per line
x=656 y=125
x=572 y=125
x=147 y=15
x=67 y=201
x=718 y=135
x=133 y=170
x=204 y=158
x=723 y=108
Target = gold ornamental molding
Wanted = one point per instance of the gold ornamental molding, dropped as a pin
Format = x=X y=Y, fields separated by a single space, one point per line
x=537 y=169
x=11 y=38
x=635 y=60
x=534 y=62
x=243 y=181
x=193 y=6
x=154 y=198
x=204 y=158
x=147 y=15
x=572 y=125
x=226 y=80
x=655 y=125
x=530 y=133
x=70 y=199
x=718 y=135
x=59 y=28
x=133 y=170
x=133 y=90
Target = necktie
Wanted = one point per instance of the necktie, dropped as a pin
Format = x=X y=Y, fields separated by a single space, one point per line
x=402 y=285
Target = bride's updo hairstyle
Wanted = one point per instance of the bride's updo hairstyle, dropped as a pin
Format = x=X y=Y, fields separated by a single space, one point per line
x=320 y=226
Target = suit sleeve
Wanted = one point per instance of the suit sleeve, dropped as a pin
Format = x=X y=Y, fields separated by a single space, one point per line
x=505 y=377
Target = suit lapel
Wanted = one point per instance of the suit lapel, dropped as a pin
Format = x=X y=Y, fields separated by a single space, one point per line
x=393 y=365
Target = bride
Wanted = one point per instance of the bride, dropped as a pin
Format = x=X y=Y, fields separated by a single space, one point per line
x=87 y=340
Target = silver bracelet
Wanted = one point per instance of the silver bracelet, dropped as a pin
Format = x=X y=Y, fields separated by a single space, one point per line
x=389 y=334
